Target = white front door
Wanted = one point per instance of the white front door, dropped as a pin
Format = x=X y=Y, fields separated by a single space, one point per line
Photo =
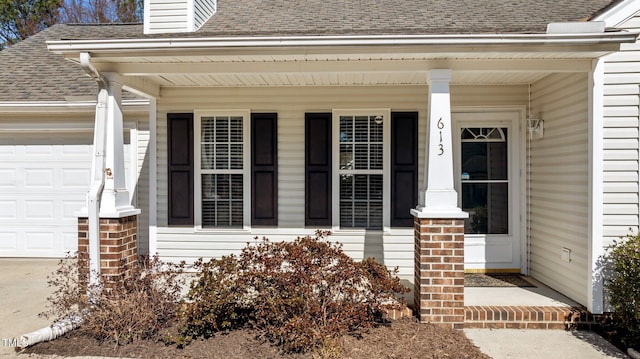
x=488 y=182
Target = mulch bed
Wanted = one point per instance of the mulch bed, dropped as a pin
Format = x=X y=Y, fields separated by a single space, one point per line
x=404 y=338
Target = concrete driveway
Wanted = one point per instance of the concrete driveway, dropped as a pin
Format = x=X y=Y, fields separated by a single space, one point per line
x=23 y=294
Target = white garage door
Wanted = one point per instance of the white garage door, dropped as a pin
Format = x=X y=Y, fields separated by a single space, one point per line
x=43 y=183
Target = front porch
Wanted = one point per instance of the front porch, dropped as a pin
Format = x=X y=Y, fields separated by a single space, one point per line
x=536 y=307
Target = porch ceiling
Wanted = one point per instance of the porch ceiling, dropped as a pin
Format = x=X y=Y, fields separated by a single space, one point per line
x=336 y=79
x=343 y=60
x=342 y=69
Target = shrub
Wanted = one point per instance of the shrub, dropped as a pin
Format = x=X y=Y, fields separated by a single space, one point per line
x=624 y=288
x=299 y=295
x=123 y=311
x=214 y=301
x=67 y=300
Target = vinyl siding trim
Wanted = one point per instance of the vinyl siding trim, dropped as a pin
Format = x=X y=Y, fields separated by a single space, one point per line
x=595 y=296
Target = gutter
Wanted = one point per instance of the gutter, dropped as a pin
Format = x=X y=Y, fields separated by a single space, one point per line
x=98 y=175
x=67 y=106
x=142 y=45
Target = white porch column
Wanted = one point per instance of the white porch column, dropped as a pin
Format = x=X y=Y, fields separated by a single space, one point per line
x=115 y=197
x=438 y=198
x=438 y=221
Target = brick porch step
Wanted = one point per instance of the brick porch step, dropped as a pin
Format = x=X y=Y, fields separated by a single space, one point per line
x=526 y=317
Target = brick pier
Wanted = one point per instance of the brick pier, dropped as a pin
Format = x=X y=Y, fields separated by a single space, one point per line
x=118 y=246
x=439 y=272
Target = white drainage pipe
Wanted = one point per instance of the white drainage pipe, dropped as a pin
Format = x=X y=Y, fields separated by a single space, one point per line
x=51 y=332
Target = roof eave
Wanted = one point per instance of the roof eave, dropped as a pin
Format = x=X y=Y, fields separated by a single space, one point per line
x=65 y=106
x=607 y=41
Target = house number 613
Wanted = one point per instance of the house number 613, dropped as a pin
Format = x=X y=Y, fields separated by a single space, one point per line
x=440 y=126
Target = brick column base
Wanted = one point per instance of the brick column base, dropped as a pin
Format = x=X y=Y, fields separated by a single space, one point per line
x=118 y=247
x=439 y=271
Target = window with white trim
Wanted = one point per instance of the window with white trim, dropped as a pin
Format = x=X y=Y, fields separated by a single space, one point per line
x=362 y=178
x=222 y=170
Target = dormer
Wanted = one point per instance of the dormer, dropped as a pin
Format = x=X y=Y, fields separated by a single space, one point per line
x=171 y=16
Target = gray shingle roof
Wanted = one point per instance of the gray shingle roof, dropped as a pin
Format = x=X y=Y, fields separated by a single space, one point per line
x=29 y=72
x=334 y=17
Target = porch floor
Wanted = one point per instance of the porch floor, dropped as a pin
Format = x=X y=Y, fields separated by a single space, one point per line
x=538 y=307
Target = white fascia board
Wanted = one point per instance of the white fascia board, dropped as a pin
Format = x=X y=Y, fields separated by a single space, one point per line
x=466 y=41
x=65 y=106
x=619 y=13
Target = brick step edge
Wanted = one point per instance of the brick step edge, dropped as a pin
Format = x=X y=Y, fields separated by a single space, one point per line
x=529 y=317
x=516 y=325
x=394 y=314
x=517 y=317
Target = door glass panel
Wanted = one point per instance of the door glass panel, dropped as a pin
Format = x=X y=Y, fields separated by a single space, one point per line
x=487 y=206
x=485 y=182
x=484 y=161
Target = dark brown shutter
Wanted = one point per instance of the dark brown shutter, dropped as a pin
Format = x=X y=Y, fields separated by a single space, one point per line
x=404 y=167
x=180 y=171
x=318 y=169
x=264 y=169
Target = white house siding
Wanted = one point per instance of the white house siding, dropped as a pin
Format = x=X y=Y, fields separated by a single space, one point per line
x=621 y=101
x=166 y=16
x=558 y=189
x=203 y=9
x=291 y=104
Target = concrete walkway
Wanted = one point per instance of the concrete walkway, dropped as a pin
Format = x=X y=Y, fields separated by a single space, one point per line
x=532 y=343
x=547 y=344
x=23 y=293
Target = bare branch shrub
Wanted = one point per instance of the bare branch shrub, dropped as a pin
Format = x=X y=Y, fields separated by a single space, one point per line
x=299 y=295
x=67 y=300
x=122 y=311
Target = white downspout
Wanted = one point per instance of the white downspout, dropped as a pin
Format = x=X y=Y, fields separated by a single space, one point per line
x=93 y=207
x=98 y=164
